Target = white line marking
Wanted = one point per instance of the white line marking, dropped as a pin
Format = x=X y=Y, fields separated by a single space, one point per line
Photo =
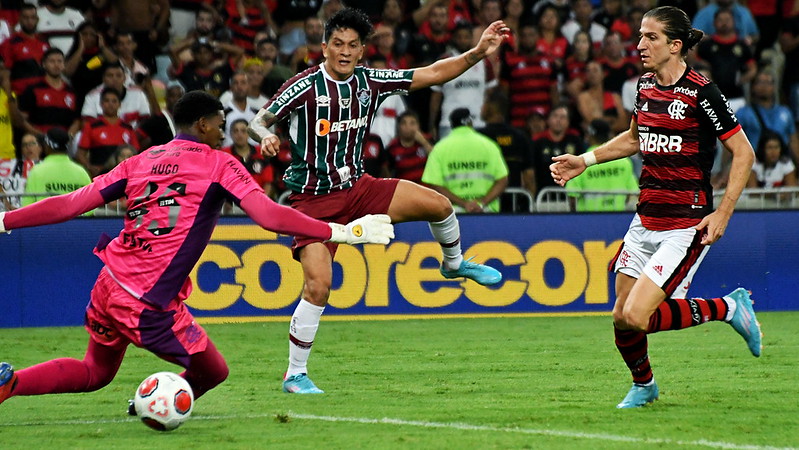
x=556 y=433
x=424 y=424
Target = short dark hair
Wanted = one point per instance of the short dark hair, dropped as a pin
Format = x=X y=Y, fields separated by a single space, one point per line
x=352 y=18
x=112 y=65
x=238 y=121
x=462 y=25
x=51 y=51
x=110 y=90
x=193 y=106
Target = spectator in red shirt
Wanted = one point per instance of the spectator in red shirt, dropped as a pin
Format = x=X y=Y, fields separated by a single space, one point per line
x=23 y=51
x=102 y=136
x=407 y=153
x=51 y=102
x=250 y=156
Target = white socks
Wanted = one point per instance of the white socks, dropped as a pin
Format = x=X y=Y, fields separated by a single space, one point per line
x=731 y=307
x=302 y=331
x=448 y=234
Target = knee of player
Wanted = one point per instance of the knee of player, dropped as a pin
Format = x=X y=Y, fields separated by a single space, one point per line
x=316 y=292
x=442 y=207
x=634 y=320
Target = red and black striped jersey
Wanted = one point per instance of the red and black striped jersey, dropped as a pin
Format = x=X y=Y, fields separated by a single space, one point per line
x=408 y=162
x=677 y=130
x=49 y=107
x=23 y=55
x=529 y=79
x=102 y=138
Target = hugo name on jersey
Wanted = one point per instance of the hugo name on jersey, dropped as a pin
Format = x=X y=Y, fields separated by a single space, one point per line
x=175 y=195
x=677 y=130
x=328 y=123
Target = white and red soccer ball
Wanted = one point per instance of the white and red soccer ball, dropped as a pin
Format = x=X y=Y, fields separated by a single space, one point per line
x=164 y=401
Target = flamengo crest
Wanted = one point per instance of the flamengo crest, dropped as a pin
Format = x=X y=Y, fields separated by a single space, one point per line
x=677 y=109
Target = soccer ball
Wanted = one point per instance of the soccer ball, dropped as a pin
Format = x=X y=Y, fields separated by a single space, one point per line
x=164 y=401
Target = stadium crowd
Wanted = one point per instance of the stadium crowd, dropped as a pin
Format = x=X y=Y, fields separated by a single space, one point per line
x=110 y=72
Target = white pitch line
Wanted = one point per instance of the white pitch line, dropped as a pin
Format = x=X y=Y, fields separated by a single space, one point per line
x=542 y=432
x=443 y=425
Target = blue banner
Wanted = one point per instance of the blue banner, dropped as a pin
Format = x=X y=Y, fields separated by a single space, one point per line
x=554 y=263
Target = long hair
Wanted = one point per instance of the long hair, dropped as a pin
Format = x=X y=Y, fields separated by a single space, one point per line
x=676 y=25
x=768 y=135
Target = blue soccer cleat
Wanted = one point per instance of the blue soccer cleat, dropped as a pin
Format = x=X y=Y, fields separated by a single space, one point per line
x=480 y=273
x=8 y=381
x=640 y=396
x=744 y=320
x=300 y=384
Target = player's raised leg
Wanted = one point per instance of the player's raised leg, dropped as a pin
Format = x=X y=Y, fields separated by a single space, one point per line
x=412 y=202
x=743 y=320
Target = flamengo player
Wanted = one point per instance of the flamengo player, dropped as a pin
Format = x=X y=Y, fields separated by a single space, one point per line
x=330 y=108
x=175 y=194
x=678 y=116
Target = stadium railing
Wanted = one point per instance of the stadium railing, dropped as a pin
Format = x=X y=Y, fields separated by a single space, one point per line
x=556 y=199
x=549 y=199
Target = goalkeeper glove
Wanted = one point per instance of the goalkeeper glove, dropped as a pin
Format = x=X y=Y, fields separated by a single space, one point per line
x=369 y=229
x=3 y=225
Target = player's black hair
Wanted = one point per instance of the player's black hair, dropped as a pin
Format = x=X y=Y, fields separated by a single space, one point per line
x=193 y=106
x=351 y=18
x=676 y=25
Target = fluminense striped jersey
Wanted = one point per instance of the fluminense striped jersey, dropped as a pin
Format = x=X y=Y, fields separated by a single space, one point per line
x=677 y=130
x=328 y=121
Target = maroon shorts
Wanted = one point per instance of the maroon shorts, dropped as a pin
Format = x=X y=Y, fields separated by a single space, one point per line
x=369 y=195
x=115 y=318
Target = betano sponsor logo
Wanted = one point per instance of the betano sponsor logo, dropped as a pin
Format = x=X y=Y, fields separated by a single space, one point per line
x=325 y=127
x=369 y=272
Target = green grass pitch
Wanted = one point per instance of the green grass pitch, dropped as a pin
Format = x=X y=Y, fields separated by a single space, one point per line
x=487 y=383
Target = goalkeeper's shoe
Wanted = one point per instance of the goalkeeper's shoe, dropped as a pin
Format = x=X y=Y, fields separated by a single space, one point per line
x=480 y=273
x=300 y=384
x=640 y=395
x=744 y=320
x=8 y=381
x=132 y=408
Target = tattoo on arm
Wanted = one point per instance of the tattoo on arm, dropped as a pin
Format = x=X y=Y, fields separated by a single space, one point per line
x=259 y=127
x=471 y=58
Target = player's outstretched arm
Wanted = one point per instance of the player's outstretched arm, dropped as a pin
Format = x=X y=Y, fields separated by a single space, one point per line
x=53 y=209
x=258 y=130
x=446 y=69
x=369 y=229
x=374 y=229
x=565 y=167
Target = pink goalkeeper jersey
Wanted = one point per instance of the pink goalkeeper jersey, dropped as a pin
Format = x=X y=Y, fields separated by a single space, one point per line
x=175 y=195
